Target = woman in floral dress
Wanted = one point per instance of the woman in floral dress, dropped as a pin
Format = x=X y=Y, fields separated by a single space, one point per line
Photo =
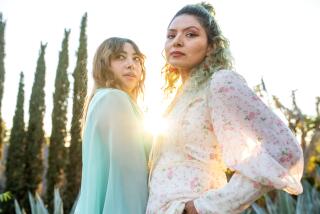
x=215 y=122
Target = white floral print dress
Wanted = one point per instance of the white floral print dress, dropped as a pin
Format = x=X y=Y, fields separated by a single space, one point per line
x=222 y=124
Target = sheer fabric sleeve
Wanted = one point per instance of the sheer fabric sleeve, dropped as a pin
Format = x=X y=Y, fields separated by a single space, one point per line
x=255 y=143
x=121 y=130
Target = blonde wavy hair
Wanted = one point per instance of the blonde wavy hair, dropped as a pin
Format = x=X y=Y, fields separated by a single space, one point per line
x=102 y=74
x=220 y=57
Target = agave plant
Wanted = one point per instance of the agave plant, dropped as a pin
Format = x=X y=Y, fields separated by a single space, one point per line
x=38 y=207
x=307 y=202
x=58 y=205
x=17 y=208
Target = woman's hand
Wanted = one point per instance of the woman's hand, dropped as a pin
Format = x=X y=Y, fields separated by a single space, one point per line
x=190 y=208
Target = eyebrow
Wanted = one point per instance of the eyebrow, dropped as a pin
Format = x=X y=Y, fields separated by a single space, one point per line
x=124 y=52
x=187 y=28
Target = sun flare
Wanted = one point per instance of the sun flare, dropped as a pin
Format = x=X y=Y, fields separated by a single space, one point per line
x=155 y=124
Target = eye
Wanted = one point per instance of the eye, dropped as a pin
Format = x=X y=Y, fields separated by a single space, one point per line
x=191 y=34
x=120 y=57
x=170 y=36
x=137 y=59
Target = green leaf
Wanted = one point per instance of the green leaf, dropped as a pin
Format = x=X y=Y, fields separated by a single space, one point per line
x=41 y=209
x=58 y=205
x=285 y=203
x=6 y=196
x=32 y=203
x=271 y=207
x=258 y=209
x=17 y=207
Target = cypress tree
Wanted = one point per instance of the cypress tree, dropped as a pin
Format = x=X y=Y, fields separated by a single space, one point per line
x=74 y=166
x=57 y=151
x=15 y=160
x=35 y=133
x=2 y=75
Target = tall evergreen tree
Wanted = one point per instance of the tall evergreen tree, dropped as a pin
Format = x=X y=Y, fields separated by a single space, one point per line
x=35 y=134
x=15 y=160
x=2 y=74
x=73 y=172
x=57 y=151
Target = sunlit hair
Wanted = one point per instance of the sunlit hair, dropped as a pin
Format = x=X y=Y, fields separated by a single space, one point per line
x=103 y=76
x=220 y=57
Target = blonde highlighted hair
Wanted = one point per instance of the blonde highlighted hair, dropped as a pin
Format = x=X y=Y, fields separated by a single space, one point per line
x=103 y=76
x=220 y=57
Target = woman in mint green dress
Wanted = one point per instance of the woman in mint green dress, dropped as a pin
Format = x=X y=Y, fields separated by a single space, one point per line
x=114 y=154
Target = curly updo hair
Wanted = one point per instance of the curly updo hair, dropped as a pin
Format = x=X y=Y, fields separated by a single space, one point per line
x=220 y=58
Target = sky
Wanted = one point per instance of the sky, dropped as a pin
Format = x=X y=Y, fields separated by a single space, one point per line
x=278 y=40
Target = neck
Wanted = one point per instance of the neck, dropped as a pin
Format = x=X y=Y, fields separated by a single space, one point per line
x=185 y=75
x=132 y=95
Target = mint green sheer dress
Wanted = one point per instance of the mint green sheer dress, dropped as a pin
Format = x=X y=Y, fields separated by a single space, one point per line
x=114 y=157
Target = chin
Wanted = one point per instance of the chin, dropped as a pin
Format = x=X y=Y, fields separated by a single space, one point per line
x=178 y=65
x=128 y=89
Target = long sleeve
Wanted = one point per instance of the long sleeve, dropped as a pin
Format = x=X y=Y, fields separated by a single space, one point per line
x=115 y=165
x=255 y=143
x=127 y=183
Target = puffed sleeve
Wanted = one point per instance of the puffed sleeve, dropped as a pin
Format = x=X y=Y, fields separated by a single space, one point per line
x=255 y=143
x=120 y=129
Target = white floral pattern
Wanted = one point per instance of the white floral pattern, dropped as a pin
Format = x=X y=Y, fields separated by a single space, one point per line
x=222 y=124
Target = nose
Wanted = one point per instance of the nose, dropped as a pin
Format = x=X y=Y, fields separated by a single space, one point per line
x=130 y=64
x=177 y=42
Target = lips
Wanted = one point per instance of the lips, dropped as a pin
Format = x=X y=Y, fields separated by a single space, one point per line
x=176 y=53
x=131 y=76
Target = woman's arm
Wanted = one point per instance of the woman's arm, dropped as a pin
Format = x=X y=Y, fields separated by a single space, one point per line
x=122 y=131
x=255 y=143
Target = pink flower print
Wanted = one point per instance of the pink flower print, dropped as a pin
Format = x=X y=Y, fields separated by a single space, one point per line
x=270 y=184
x=194 y=183
x=286 y=157
x=208 y=126
x=255 y=98
x=263 y=118
x=278 y=122
x=198 y=100
x=213 y=156
x=227 y=126
x=282 y=175
x=251 y=116
x=221 y=89
x=256 y=185
x=225 y=89
x=189 y=157
x=170 y=173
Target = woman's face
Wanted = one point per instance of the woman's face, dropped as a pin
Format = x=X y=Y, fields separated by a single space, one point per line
x=187 y=43
x=126 y=67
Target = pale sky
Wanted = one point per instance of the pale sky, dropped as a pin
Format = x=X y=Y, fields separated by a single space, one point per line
x=278 y=40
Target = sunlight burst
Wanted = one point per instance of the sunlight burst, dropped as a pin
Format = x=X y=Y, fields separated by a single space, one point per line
x=155 y=124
